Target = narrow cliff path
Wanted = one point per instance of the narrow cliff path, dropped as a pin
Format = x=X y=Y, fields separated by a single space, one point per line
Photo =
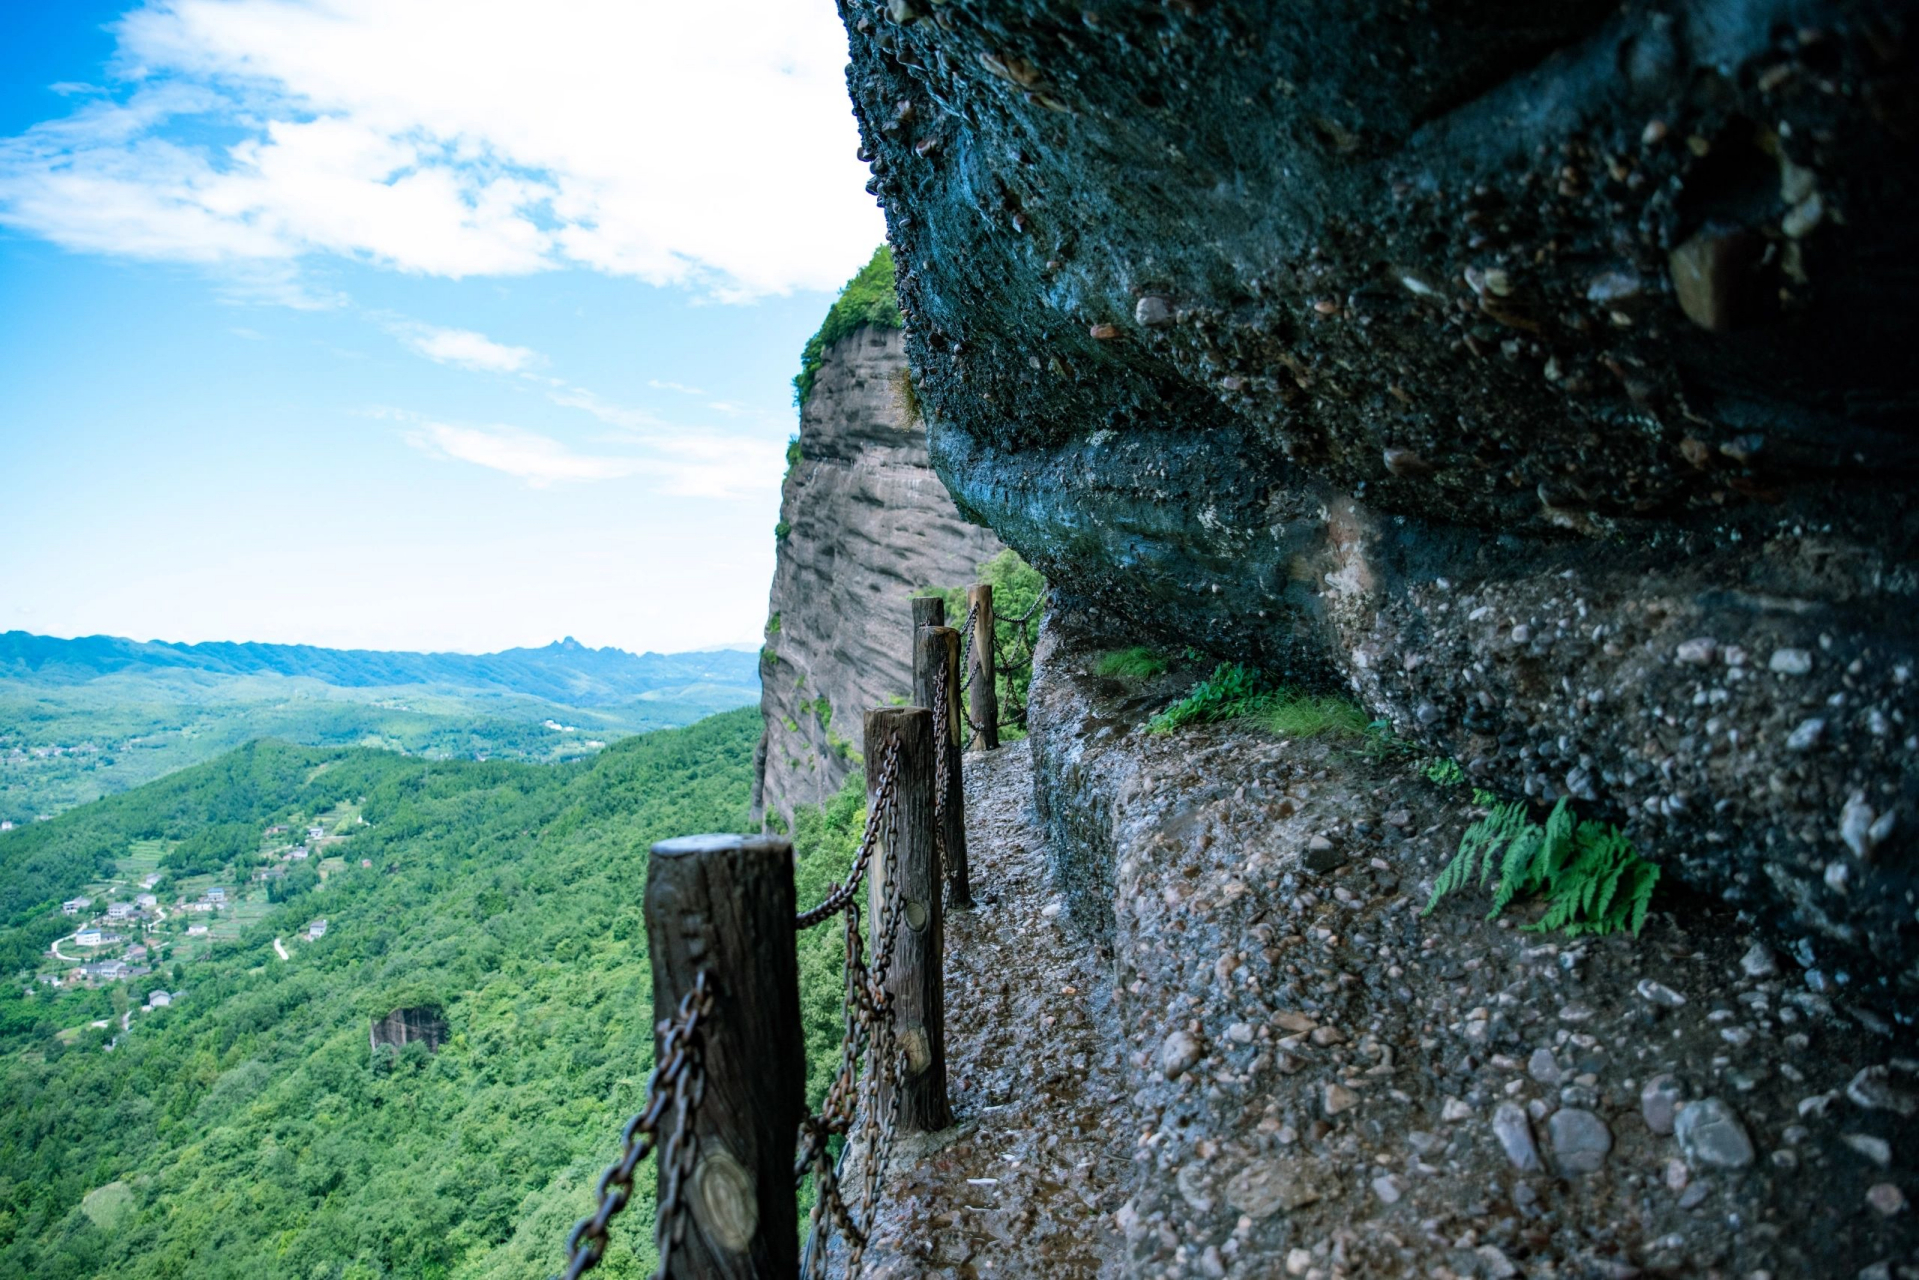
x=1027 y=1180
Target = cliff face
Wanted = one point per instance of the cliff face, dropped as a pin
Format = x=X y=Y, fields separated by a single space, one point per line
x=1532 y=373
x=867 y=524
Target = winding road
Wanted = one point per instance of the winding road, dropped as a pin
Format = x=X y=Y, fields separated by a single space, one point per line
x=281 y=947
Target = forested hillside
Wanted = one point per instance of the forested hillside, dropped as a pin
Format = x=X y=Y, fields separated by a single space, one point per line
x=248 y=1130
x=84 y=718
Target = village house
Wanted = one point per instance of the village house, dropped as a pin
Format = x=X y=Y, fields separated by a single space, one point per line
x=196 y=930
x=120 y=910
x=277 y=829
x=316 y=930
x=147 y=901
x=6 y=824
x=158 y=999
x=200 y=906
x=298 y=853
x=216 y=894
x=109 y=970
x=94 y=936
x=316 y=833
x=74 y=906
x=135 y=954
x=51 y=979
x=149 y=881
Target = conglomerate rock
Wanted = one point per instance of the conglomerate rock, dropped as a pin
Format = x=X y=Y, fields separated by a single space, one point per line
x=866 y=526
x=1537 y=371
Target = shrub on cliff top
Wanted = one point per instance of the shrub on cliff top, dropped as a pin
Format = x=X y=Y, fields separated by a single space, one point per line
x=868 y=298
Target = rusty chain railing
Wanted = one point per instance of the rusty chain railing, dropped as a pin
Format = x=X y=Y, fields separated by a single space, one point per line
x=678 y=1082
x=854 y=1099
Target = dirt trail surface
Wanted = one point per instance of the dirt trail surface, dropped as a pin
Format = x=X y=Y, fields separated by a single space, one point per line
x=1027 y=1181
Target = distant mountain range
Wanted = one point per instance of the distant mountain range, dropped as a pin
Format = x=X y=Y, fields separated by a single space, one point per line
x=565 y=672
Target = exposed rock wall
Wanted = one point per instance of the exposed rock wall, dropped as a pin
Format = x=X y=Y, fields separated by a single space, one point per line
x=1325 y=1081
x=402 y=1027
x=1533 y=372
x=867 y=525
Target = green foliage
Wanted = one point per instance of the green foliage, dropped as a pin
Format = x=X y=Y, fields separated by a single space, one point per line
x=1017 y=587
x=254 y=1133
x=781 y=529
x=867 y=299
x=1136 y=663
x=1444 y=771
x=1236 y=692
x=1592 y=879
x=792 y=452
x=773 y=625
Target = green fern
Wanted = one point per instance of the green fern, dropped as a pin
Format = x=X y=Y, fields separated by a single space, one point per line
x=1593 y=880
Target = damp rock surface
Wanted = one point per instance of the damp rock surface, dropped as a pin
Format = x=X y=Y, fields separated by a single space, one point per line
x=1534 y=373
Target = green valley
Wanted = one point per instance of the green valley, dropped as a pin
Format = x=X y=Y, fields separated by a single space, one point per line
x=245 y=1128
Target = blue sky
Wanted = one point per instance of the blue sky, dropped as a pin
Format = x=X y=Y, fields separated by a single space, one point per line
x=430 y=325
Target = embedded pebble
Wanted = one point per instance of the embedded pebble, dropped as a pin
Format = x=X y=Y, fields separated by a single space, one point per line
x=1178 y=1054
x=1338 y=1098
x=1872 y=1089
x=1543 y=1067
x=1886 y=1198
x=1758 y=962
x=1790 y=662
x=1580 y=1140
x=1660 y=994
x=1807 y=734
x=1659 y=1103
x=1515 y=1134
x=1710 y=1133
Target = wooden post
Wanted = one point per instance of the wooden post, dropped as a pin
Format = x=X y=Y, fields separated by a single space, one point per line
x=723 y=904
x=916 y=975
x=985 y=695
x=936 y=660
x=929 y=611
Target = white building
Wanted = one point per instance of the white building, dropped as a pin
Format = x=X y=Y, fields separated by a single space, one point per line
x=316 y=833
x=216 y=895
x=196 y=930
x=150 y=880
x=120 y=910
x=298 y=854
x=147 y=902
x=90 y=936
x=158 y=999
x=316 y=930
x=74 y=906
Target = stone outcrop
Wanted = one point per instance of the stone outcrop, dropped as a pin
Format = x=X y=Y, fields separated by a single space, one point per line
x=866 y=525
x=1535 y=373
x=403 y=1027
x=1320 y=1078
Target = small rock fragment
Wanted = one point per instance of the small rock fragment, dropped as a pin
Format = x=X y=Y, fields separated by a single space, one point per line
x=1790 y=662
x=1709 y=274
x=1872 y=1089
x=1493 y=1264
x=1807 y=734
x=1298 y=1023
x=1710 y=1133
x=1454 y=1110
x=1298 y=1262
x=1338 y=1098
x=1855 y=825
x=1698 y=652
x=1515 y=1134
x=1659 y=1103
x=1758 y=962
x=1265 y=1187
x=1153 y=310
x=1178 y=1054
x=1580 y=1140
x=1886 y=1198
x=1543 y=1067
x=1660 y=994
x=1388 y=1188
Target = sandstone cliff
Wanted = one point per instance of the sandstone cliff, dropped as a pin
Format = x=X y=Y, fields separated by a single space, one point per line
x=865 y=524
x=1529 y=372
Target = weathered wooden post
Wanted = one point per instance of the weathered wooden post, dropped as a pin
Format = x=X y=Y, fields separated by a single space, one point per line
x=985 y=695
x=915 y=975
x=723 y=905
x=936 y=664
x=929 y=611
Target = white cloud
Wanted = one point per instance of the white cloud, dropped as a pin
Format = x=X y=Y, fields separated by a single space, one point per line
x=465 y=348
x=466 y=137
x=678 y=462
x=659 y=384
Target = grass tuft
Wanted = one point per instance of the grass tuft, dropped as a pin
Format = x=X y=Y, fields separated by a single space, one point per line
x=1136 y=663
x=1233 y=692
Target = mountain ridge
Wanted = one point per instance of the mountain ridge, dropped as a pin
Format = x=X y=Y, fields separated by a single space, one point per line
x=565 y=671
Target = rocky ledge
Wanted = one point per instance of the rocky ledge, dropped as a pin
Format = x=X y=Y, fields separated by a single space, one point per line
x=1323 y=1081
x=1533 y=372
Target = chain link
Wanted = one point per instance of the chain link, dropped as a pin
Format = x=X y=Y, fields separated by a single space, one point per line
x=678 y=1080
x=843 y=893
